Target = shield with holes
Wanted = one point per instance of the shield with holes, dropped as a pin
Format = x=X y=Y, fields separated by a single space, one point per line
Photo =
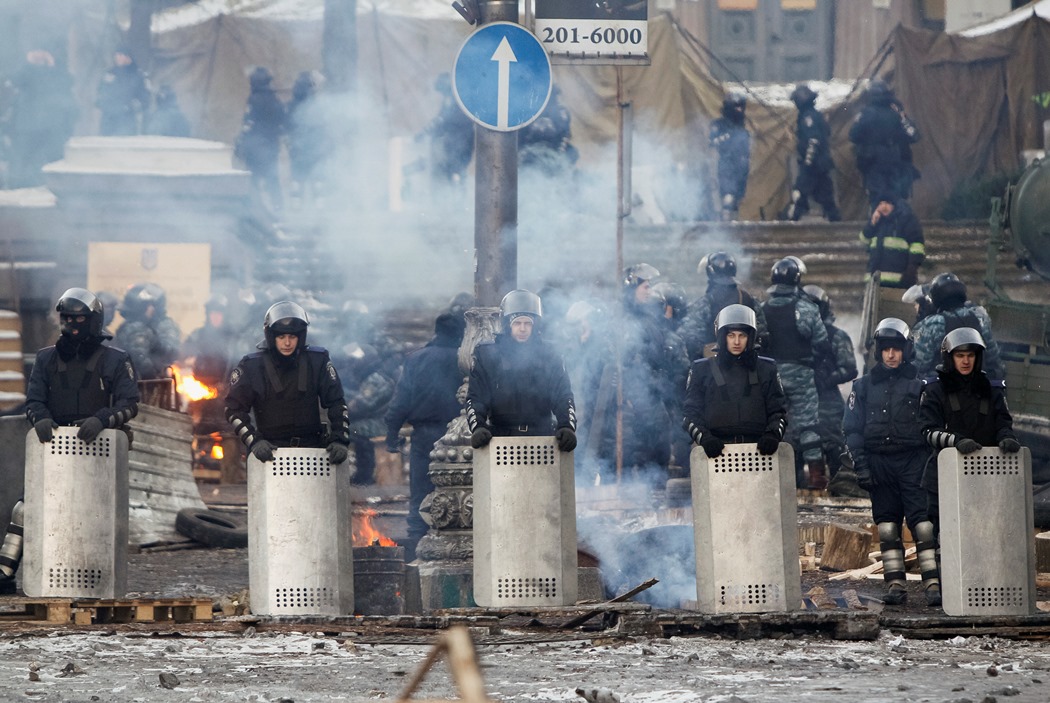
x=300 y=536
x=524 y=524
x=76 y=516
x=746 y=530
x=987 y=550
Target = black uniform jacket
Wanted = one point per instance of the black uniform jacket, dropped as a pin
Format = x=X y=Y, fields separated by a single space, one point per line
x=284 y=394
x=973 y=406
x=95 y=380
x=515 y=388
x=882 y=413
x=738 y=399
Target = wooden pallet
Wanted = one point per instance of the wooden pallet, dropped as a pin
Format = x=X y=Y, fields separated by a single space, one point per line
x=87 y=612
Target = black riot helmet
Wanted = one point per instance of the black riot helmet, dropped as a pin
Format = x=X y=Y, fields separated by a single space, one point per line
x=674 y=296
x=140 y=297
x=962 y=339
x=634 y=276
x=947 y=292
x=733 y=106
x=736 y=317
x=80 y=301
x=285 y=317
x=787 y=271
x=720 y=267
x=892 y=332
x=260 y=78
x=520 y=302
x=879 y=92
x=919 y=295
x=820 y=297
x=803 y=96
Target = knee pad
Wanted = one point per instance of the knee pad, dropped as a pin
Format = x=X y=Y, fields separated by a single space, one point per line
x=889 y=532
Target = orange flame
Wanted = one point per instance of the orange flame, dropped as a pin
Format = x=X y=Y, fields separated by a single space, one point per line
x=366 y=534
x=190 y=387
x=216 y=451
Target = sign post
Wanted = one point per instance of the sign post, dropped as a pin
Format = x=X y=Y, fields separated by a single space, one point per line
x=593 y=31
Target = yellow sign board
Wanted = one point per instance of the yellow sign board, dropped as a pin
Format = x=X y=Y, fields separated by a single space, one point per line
x=182 y=270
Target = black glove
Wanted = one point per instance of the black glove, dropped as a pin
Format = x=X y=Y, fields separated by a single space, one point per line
x=481 y=437
x=337 y=453
x=1010 y=445
x=712 y=445
x=864 y=479
x=263 y=450
x=45 y=429
x=565 y=438
x=768 y=444
x=965 y=445
x=89 y=429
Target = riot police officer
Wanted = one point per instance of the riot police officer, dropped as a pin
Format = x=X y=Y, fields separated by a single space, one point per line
x=731 y=139
x=882 y=135
x=282 y=384
x=953 y=311
x=518 y=385
x=78 y=381
x=814 y=159
x=697 y=328
x=151 y=337
x=962 y=408
x=889 y=454
x=735 y=397
x=830 y=371
x=797 y=339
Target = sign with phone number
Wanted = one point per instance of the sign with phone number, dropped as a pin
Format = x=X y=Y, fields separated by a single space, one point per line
x=601 y=31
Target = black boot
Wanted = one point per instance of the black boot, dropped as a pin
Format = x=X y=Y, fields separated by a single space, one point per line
x=896 y=595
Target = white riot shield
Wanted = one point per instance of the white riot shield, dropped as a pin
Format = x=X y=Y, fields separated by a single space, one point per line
x=76 y=516
x=300 y=535
x=746 y=530
x=524 y=523
x=987 y=550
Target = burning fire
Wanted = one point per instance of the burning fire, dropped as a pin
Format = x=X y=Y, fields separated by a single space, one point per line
x=190 y=387
x=366 y=534
x=216 y=452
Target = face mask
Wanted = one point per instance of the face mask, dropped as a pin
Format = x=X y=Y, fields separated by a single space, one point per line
x=76 y=330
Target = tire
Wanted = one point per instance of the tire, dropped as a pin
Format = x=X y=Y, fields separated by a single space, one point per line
x=211 y=528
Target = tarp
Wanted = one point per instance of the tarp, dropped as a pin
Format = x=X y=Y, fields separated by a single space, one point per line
x=977 y=101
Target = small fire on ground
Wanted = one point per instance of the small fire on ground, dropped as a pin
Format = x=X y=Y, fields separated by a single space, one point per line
x=187 y=385
x=365 y=532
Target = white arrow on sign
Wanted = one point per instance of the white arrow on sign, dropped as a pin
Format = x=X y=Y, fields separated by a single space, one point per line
x=504 y=55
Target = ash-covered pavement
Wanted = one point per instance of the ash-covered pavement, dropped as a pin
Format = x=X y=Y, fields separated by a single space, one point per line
x=302 y=667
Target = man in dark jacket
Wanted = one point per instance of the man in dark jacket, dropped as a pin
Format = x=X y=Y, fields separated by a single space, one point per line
x=896 y=247
x=962 y=407
x=518 y=385
x=259 y=143
x=425 y=398
x=731 y=139
x=736 y=397
x=78 y=382
x=814 y=159
x=123 y=96
x=882 y=136
x=889 y=453
x=283 y=384
x=698 y=327
x=151 y=337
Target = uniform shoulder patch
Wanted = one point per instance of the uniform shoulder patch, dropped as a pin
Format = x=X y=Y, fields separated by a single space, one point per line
x=129 y=368
x=331 y=370
x=852 y=402
x=808 y=121
x=235 y=376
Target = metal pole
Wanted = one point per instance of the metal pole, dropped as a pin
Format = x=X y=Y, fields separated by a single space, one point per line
x=620 y=215
x=495 y=194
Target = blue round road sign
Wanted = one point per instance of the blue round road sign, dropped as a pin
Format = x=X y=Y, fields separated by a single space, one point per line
x=502 y=76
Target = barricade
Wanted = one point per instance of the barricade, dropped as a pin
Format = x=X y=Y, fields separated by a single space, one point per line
x=300 y=534
x=524 y=524
x=76 y=516
x=746 y=531
x=987 y=550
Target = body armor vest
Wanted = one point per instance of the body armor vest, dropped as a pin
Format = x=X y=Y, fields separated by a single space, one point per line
x=967 y=319
x=291 y=408
x=77 y=390
x=785 y=341
x=734 y=404
x=891 y=415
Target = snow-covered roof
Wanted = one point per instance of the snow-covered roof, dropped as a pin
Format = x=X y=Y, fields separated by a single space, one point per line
x=1040 y=8
x=199 y=12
